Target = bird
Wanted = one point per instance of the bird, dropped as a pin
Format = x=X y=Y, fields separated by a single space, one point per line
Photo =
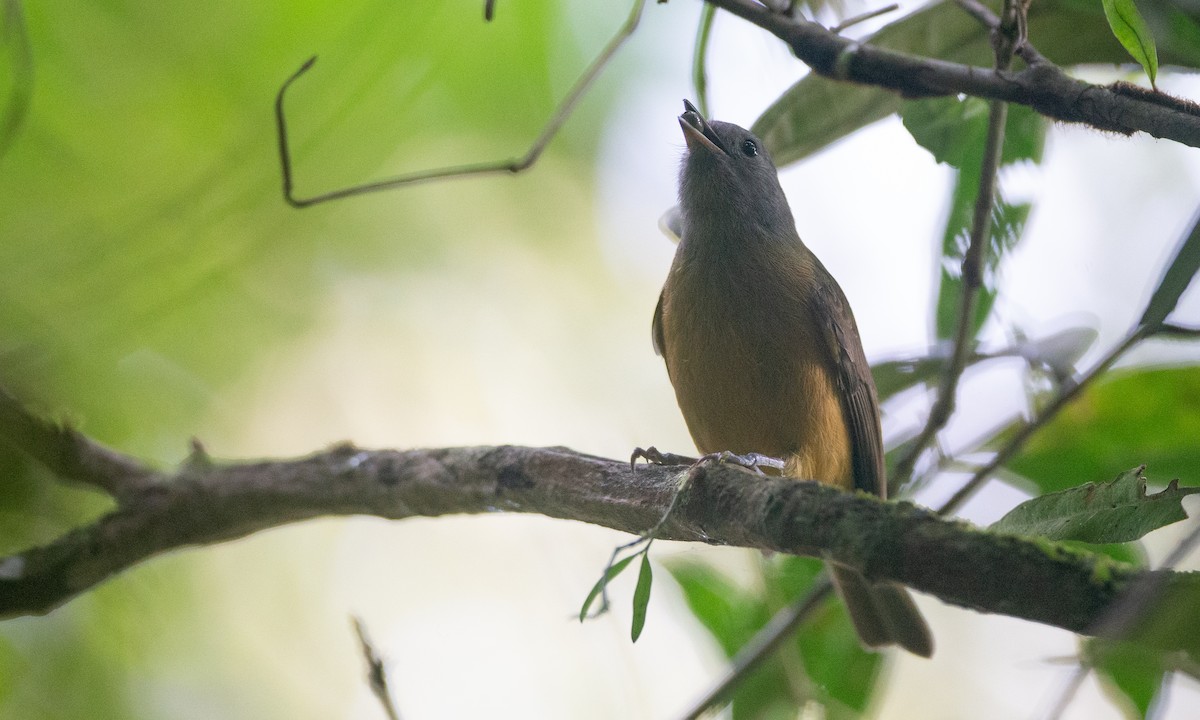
x=763 y=351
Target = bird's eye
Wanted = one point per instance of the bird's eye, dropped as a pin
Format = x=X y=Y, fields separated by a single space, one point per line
x=749 y=148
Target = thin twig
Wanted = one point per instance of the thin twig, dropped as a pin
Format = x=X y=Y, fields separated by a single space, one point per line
x=515 y=165
x=1178 y=331
x=851 y=22
x=988 y=18
x=972 y=283
x=1068 y=692
x=646 y=538
x=69 y=454
x=760 y=647
x=376 y=672
x=699 y=73
x=1022 y=435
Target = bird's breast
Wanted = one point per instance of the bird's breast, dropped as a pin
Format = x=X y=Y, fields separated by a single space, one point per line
x=751 y=368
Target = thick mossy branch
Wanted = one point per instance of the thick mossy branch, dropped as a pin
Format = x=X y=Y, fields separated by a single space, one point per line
x=207 y=502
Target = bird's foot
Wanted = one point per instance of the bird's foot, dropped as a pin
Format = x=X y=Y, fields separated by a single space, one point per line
x=654 y=456
x=750 y=461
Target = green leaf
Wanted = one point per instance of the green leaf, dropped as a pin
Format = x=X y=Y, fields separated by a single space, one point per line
x=949 y=128
x=1132 y=673
x=954 y=131
x=1008 y=222
x=1129 y=418
x=1130 y=553
x=1176 y=279
x=1131 y=30
x=893 y=377
x=1112 y=512
x=729 y=614
x=609 y=573
x=641 y=597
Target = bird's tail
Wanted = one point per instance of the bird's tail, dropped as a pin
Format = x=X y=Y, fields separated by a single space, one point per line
x=882 y=613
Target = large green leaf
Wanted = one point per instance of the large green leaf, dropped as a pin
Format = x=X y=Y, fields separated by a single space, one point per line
x=1113 y=512
x=1132 y=417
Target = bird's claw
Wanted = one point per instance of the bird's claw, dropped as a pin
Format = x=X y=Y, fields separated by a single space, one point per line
x=750 y=461
x=654 y=456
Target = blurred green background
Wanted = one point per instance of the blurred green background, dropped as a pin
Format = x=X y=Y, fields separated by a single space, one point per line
x=154 y=287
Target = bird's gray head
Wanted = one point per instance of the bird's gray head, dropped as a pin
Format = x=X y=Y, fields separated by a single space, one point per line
x=728 y=182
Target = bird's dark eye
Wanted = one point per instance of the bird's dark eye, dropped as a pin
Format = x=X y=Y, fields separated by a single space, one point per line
x=750 y=148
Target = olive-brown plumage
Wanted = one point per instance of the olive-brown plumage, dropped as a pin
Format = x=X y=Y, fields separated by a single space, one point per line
x=763 y=351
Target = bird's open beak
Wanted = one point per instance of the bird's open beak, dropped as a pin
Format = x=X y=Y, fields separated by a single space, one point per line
x=697 y=132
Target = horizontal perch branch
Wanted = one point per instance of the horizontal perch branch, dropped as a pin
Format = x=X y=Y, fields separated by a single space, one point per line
x=205 y=502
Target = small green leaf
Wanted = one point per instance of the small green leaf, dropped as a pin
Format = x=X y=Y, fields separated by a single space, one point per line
x=1113 y=512
x=893 y=377
x=729 y=613
x=1133 y=673
x=609 y=573
x=1176 y=279
x=641 y=597
x=1131 y=30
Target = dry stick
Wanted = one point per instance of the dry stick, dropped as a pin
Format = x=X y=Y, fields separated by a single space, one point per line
x=376 y=672
x=760 y=647
x=515 y=165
